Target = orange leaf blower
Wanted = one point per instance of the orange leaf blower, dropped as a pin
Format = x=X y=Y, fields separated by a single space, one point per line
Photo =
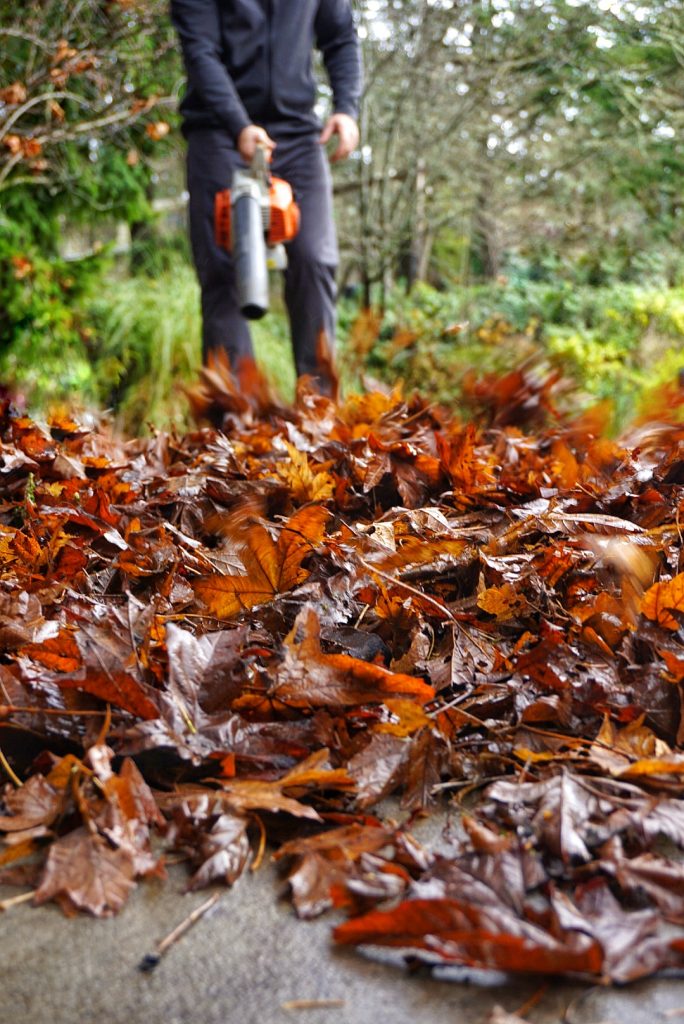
x=252 y=220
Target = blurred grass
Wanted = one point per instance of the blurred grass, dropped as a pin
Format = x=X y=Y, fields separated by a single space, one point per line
x=97 y=336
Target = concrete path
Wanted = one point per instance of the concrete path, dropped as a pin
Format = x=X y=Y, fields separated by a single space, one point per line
x=249 y=957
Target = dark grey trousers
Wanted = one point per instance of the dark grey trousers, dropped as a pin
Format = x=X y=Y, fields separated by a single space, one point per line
x=310 y=290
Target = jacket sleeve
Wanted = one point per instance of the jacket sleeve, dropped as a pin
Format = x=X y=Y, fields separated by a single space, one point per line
x=199 y=29
x=338 y=42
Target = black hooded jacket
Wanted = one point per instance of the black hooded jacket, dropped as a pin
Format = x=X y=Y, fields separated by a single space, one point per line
x=250 y=61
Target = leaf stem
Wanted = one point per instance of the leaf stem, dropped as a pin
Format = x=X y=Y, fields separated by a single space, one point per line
x=10 y=771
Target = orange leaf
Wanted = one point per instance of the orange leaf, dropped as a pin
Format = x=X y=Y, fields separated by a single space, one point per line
x=304 y=484
x=60 y=653
x=157 y=130
x=662 y=599
x=310 y=678
x=675 y=665
x=411 y=717
x=13 y=94
x=458 y=933
x=272 y=568
x=504 y=602
x=117 y=688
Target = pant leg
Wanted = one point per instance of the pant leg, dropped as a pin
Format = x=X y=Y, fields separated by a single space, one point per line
x=310 y=288
x=210 y=162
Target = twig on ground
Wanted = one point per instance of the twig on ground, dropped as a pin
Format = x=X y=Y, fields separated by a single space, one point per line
x=150 y=960
x=14 y=901
x=312 y=1004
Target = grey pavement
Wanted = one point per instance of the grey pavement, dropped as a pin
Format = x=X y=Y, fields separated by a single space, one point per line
x=248 y=957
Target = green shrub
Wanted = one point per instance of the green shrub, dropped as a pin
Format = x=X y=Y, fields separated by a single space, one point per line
x=44 y=331
x=613 y=342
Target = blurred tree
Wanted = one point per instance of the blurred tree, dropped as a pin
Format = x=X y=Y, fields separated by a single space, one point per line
x=84 y=98
x=515 y=126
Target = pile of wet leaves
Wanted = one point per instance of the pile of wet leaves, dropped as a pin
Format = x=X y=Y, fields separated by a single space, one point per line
x=239 y=642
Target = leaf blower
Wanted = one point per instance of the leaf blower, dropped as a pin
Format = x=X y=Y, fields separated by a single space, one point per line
x=252 y=221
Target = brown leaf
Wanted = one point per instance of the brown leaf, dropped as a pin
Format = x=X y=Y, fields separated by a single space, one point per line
x=310 y=678
x=84 y=873
x=223 y=851
x=34 y=803
x=348 y=841
x=379 y=769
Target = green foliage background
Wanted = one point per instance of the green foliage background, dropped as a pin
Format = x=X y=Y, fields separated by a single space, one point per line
x=518 y=196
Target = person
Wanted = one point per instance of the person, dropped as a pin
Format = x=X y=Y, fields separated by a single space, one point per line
x=250 y=82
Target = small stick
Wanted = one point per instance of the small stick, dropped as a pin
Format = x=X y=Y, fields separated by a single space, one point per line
x=104 y=728
x=312 y=1004
x=150 y=960
x=407 y=586
x=256 y=864
x=530 y=1003
x=14 y=709
x=10 y=771
x=14 y=901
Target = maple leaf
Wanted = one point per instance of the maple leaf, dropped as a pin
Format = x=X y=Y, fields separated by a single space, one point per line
x=243 y=795
x=83 y=872
x=118 y=688
x=455 y=932
x=60 y=653
x=223 y=851
x=504 y=602
x=311 y=774
x=272 y=567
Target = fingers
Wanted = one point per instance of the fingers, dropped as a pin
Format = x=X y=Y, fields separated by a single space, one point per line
x=345 y=146
x=251 y=137
x=327 y=132
x=345 y=128
x=266 y=140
